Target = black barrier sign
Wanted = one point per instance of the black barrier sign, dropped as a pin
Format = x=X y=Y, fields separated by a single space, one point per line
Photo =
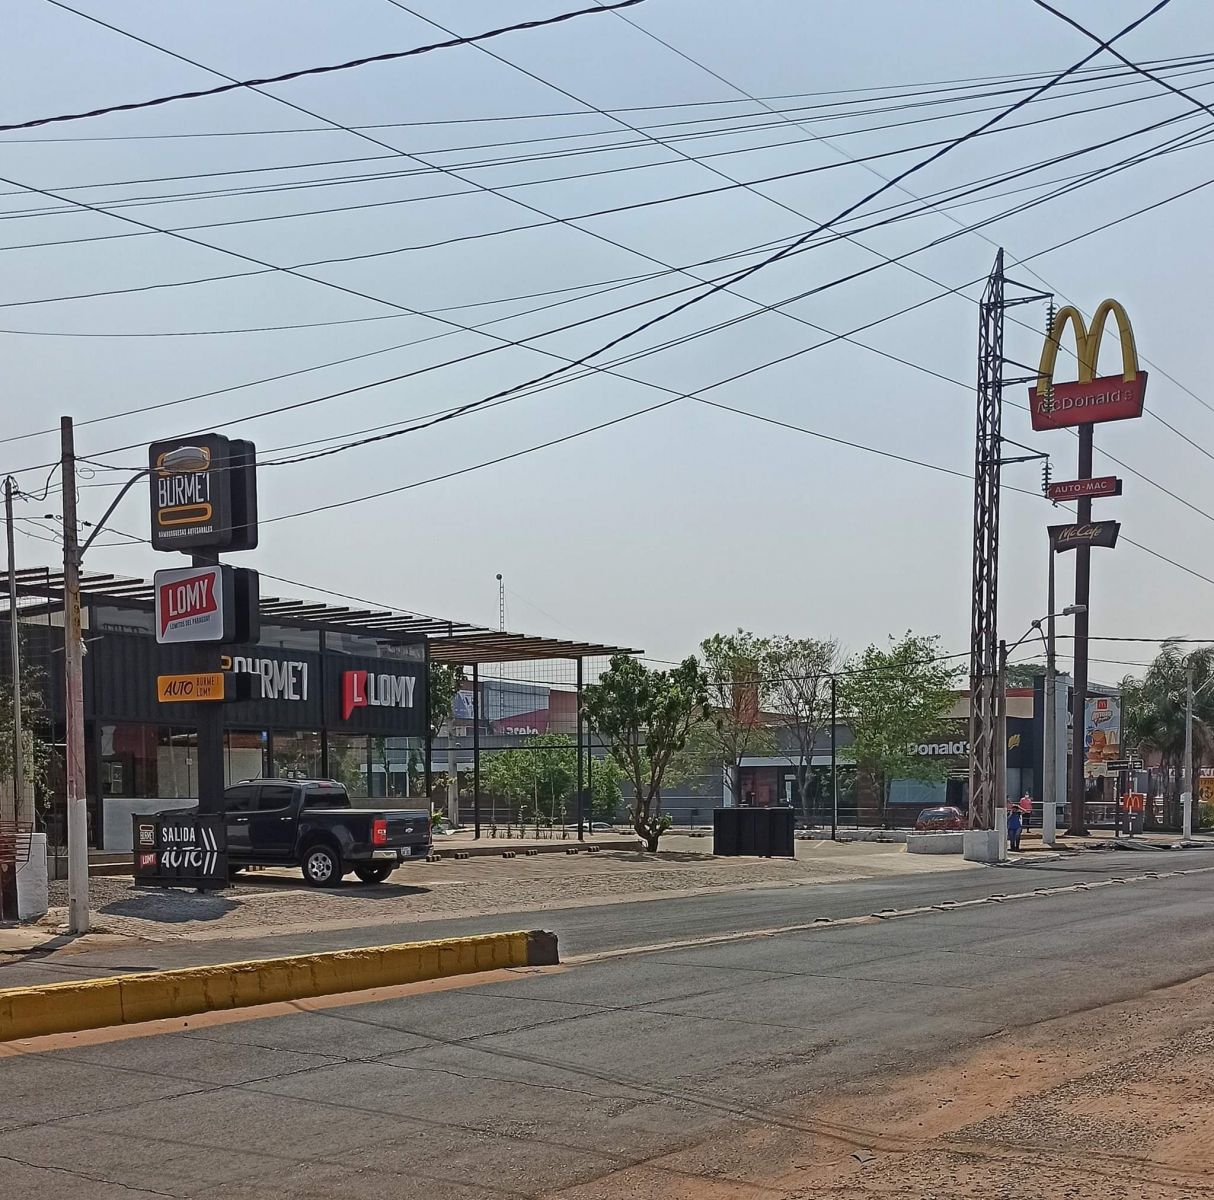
x=180 y=850
x=1094 y=533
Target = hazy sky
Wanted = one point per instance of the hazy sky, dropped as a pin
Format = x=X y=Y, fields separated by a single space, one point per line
x=671 y=525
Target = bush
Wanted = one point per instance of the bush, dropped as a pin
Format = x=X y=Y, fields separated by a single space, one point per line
x=1205 y=816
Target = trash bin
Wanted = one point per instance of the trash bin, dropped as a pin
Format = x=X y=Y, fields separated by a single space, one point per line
x=753 y=832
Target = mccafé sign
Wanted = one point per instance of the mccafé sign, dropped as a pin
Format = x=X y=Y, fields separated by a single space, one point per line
x=1089 y=398
x=1094 y=533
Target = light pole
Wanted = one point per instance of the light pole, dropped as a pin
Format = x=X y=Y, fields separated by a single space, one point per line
x=14 y=659
x=1049 y=750
x=1186 y=829
x=186 y=458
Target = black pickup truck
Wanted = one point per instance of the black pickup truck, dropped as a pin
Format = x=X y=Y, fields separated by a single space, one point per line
x=310 y=824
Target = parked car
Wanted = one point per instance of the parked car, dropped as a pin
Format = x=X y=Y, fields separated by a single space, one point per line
x=943 y=817
x=311 y=824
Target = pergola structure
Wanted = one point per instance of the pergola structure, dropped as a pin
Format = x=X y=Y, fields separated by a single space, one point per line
x=449 y=641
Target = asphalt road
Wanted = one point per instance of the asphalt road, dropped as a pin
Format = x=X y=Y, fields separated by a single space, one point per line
x=617 y=1077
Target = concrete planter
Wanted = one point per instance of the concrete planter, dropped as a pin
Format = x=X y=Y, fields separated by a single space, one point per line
x=32 y=892
x=984 y=845
x=942 y=841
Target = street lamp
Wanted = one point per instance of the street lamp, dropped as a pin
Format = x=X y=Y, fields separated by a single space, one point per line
x=181 y=459
x=1186 y=829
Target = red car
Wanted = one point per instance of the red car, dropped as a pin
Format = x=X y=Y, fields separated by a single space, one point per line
x=944 y=817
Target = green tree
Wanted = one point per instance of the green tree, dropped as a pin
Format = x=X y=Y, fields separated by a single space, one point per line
x=800 y=671
x=605 y=793
x=541 y=773
x=1153 y=715
x=736 y=666
x=895 y=699
x=443 y=680
x=36 y=757
x=645 y=716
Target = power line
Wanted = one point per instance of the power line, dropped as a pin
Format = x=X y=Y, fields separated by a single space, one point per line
x=390 y=56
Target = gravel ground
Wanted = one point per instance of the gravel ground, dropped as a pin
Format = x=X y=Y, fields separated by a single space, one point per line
x=278 y=901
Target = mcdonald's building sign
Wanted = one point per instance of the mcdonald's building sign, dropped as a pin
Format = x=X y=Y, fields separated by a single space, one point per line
x=1090 y=398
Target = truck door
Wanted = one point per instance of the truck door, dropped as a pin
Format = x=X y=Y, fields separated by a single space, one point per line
x=238 y=811
x=273 y=824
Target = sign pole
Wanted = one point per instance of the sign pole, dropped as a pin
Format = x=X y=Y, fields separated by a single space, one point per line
x=1083 y=579
x=209 y=723
x=1049 y=724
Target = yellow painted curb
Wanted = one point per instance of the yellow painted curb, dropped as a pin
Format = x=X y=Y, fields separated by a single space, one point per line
x=127 y=999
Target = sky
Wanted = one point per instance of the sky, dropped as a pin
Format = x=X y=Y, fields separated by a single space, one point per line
x=667 y=526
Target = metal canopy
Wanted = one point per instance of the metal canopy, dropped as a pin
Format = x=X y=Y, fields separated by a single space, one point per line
x=450 y=641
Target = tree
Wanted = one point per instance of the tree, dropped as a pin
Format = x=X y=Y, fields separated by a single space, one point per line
x=896 y=699
x=645 y=716
x=36 y=755
x=542 y=773
x=1153 y=714
x=800 y=671
x=443 y=682
x=605 y=794
x=1024 y=674
x=737 y=668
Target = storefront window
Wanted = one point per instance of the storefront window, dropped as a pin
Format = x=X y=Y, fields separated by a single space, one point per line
x=297 y=754
x=176 y=764
x=244 y=754
x=398 y=767
x=348 y=762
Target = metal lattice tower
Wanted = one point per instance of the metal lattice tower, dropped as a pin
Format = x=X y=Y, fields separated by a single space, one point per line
x=985 y=759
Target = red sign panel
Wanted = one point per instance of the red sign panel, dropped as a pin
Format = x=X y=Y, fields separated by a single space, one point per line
x=1110 y=398
x=1077 y=489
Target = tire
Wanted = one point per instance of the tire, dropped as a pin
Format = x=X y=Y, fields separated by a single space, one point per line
x=374 y=874
x=321 y=865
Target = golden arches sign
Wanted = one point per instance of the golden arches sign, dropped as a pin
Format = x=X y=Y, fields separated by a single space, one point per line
x=1089 y=398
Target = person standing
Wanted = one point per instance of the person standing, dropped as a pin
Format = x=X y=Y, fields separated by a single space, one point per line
x=1026 y=810
x=1014 y=827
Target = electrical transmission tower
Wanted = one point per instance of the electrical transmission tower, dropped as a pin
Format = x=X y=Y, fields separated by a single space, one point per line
x=988 y=749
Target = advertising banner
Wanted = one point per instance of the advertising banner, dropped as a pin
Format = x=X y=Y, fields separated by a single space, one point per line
x=1101 y=735
x=213 y=506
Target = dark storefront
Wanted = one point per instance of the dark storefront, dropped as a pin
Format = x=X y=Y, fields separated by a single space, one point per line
x=322 y=703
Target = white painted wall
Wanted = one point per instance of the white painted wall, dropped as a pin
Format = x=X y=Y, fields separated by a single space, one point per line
x=116 y=813
x=33 y=896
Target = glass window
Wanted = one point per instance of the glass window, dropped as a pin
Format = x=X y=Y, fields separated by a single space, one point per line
x=239 y=799
x=289 y=638
x=274 y=796
x=129 y=761
x=348 y=757
x=296 y=754
x=176 y=764
x=244 y=754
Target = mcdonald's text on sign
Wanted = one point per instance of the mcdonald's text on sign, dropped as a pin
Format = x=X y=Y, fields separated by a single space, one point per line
x=1090 y=398
x=190 y=689
x=1078 y=489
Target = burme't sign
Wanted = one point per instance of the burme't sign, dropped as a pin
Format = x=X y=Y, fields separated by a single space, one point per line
x=211 y=506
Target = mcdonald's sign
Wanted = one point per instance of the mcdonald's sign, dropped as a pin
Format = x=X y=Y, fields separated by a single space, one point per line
x=1090 y=398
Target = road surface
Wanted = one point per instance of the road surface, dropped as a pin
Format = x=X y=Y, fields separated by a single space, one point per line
x=699 y=1069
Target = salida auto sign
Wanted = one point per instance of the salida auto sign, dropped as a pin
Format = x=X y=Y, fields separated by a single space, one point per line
x=181 y=850
x=195 y=604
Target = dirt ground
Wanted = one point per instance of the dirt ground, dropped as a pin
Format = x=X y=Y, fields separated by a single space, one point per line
x=1113 y=1104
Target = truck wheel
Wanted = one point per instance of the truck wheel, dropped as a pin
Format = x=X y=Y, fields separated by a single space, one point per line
x=321 y=866
x=375 y=874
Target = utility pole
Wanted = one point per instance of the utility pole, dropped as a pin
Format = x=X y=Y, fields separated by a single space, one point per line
x=1049 y=749
x=73 y=670
x=1186 y=829
x=14 y=660
x=834 y=760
